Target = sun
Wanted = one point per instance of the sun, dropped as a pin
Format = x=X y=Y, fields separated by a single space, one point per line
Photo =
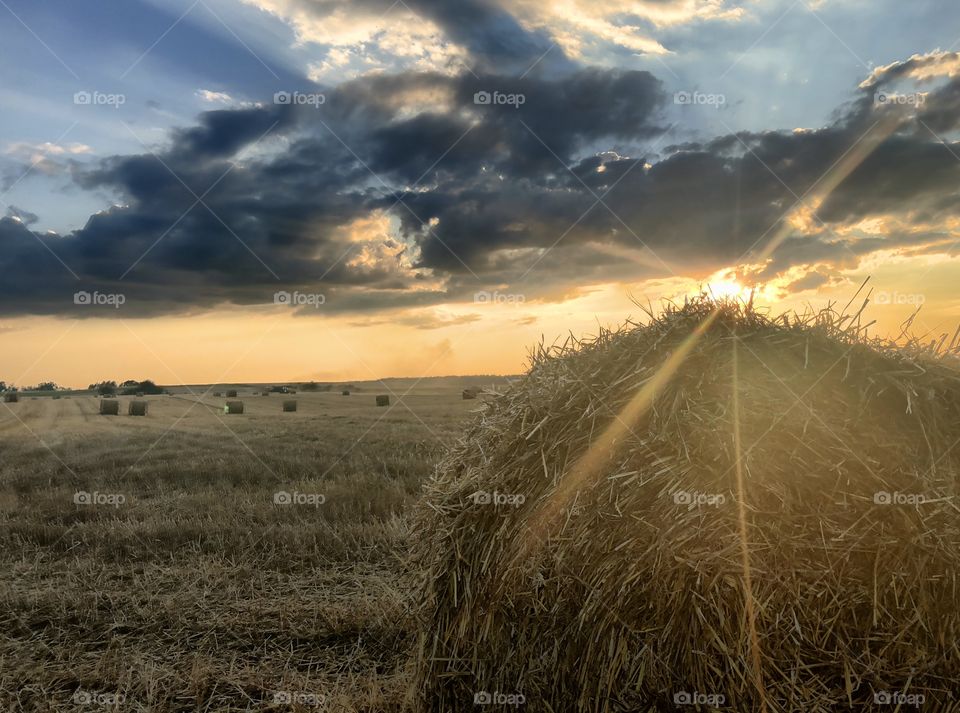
x=727 y=289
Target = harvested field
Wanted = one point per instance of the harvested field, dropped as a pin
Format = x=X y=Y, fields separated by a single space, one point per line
x=198 y=592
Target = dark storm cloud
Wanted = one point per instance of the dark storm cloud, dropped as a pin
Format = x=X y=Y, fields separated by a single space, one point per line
x=482 y=193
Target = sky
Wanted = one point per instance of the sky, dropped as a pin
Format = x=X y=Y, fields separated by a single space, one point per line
x=200 y=191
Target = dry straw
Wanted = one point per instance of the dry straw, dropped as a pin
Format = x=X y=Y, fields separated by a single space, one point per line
x=289 y=406
x=137 y=408
x=383 y=401
x=773 y=519
x=109 y=407
x=233 y=407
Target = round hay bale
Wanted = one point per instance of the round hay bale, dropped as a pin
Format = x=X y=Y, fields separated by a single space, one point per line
x=289 y=406
x=109 y=407
x=714 y=504
x=232 y=394
x=137 y=408
x=344 y=393
x=217 y=394
x=383 y=400
x=11 y=397
x=233 y=407
x=470 y=393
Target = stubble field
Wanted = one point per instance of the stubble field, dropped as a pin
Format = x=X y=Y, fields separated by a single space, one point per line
x=184 y=586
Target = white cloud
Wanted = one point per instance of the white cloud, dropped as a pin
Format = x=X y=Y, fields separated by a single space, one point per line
x=212 y=97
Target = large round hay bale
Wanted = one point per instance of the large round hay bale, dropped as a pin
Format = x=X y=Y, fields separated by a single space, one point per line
x=289 y=406
x=717 y=507
x=232 y=394
x=11 y=397
x=383 y=400
x=109 y=407
x=233 y=407
x=137 y=408
x=470 y=393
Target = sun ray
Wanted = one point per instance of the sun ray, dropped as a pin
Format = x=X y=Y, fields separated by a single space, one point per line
x=749 y=601
x=543 y=521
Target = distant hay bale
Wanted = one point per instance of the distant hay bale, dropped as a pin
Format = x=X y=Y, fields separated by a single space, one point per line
x=11 y=397
x=383 y=401
x=109 y=407
x=56 y=396
x=137 y=408
x=470 y=393
x=139 y=394
x=716 y=502
x=232 y=394
x=233 y=407
x=344 y=393
x=289 y=406
x=217 y=394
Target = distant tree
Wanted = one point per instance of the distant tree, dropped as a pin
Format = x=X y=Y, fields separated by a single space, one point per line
x=45 y=386
x=128 y=383
x=3 y=386
x=104 y=388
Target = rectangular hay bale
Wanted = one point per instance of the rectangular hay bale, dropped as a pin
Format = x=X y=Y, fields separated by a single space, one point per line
x=383 y=400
